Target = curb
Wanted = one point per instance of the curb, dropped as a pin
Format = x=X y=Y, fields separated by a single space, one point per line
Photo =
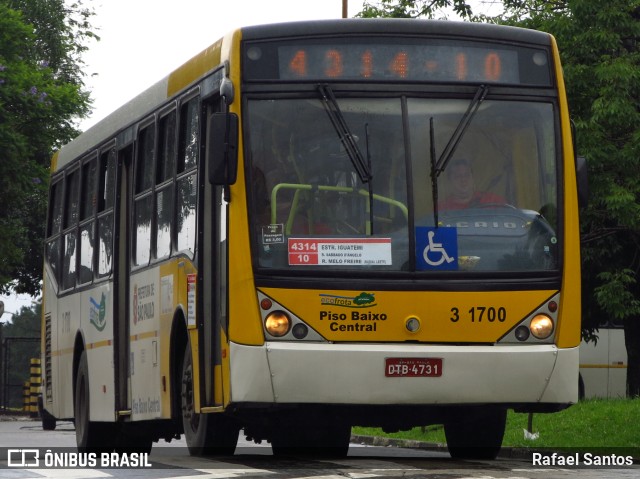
x=401 y=443
x=522 y=453
x=505 y=452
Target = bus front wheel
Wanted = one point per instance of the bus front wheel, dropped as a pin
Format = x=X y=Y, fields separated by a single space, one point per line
x=478 y=435
x=206 y=434
x=48 y=420
x=91 y=436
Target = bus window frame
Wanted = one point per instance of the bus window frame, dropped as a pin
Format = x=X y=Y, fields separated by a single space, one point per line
x=85 y=166
x=302 y=90
x=70 y=227
x=144 y=194
x=105 y=152
x=57 y=188
x=182 y=173
x=168 y=183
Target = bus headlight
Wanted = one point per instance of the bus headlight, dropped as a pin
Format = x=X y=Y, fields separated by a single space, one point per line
x=277 y=323
x=541 y=326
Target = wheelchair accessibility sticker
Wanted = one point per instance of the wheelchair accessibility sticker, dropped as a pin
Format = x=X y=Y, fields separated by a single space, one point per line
x=436 y=248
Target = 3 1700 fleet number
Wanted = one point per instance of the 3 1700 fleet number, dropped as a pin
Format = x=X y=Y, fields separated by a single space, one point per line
x=478 y=314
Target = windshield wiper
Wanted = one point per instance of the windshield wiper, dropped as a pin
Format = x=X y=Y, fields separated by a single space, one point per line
x=344 y=133
x=438 y=166
x=454 y=141
x=366 y=134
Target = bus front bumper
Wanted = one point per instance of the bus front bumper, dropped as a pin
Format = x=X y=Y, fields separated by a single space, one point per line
x=295 y=373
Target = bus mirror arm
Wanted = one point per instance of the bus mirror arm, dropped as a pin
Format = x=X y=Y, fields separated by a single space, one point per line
x=222 y=148
x=226 y=90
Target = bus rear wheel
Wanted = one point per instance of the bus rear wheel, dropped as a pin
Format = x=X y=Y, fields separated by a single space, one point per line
x=91 y=436
x=206 y=434
x=478 y=435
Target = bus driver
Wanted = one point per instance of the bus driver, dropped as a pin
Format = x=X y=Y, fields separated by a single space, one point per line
x=463 y=192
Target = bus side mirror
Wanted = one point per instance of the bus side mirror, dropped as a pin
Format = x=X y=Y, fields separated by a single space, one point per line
x=222 y=148
x=583 y=181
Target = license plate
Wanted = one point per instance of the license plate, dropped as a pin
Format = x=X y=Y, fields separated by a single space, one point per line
x=413 y=367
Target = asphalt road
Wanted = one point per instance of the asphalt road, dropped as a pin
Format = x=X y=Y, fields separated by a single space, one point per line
x=172 y=461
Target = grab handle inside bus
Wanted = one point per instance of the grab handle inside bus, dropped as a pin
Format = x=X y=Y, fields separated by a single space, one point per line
x=222 y=148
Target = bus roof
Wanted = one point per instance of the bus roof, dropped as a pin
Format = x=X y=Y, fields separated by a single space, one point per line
x=396 y=26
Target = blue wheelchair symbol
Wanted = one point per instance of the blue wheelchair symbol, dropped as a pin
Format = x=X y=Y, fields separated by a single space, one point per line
x=436 y=248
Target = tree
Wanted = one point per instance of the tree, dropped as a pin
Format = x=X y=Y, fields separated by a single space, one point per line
x=41 y=93
x=600 y=50
x=413 y=8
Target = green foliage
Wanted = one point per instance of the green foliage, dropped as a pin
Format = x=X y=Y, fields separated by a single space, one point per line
x=41 y=93
x=413 y=8
x=614 y=295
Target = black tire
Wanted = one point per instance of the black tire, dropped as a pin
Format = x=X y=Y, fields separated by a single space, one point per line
x=48 y=420
x=91 y=436
x=477 y=436
x=206 y=434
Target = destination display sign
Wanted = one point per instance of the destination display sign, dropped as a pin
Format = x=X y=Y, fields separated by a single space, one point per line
x=388 y=59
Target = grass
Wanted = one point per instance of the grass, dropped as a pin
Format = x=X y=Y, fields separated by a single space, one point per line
x=592 y=424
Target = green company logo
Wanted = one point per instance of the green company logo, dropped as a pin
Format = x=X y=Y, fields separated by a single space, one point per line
x=97 y=312
x=363 y=300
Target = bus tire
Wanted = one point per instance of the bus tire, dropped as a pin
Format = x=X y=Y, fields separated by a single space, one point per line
x=48 y=420
x=477 y=436
x=91 y=436
x=205 y=434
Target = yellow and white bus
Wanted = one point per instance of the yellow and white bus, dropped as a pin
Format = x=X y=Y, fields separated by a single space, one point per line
x=274 y=239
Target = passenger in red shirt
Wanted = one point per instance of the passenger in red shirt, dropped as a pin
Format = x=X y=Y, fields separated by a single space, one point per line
x=463 y=192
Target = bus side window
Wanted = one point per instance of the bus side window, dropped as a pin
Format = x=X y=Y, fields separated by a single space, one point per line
x=186 y=185
x=54 y=228
x=106 y=196
x=143 y=201
x=165 y=170
x=70 y=231
x=87 y=220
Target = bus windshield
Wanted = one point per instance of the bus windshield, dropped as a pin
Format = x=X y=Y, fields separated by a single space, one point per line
x=494 y=208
